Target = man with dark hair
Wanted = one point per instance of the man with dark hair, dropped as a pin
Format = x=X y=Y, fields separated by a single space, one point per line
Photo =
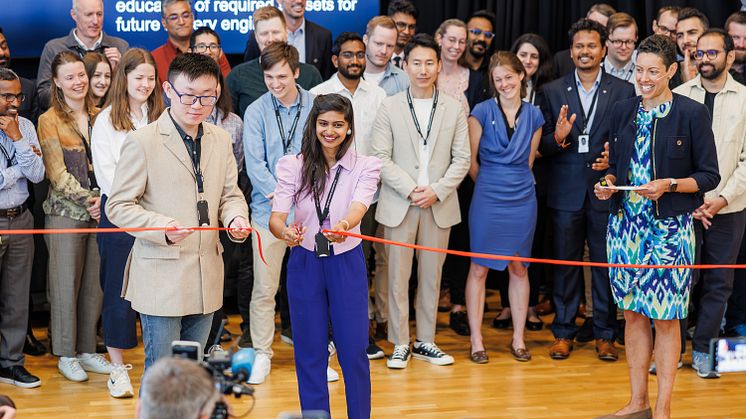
x=575 y=143
x=313 y=42
x=178 y=20
x=665 y=21
x=691 y=25
x=479 y=36
x=273 y=127
x=405 y=14
x=185 y=178
x=20 y=163
x=600 y=12
x=421 y=137
x=380 y=41
x=29 y=107
x=736 y=27
x=722 y=218
x=246 y=81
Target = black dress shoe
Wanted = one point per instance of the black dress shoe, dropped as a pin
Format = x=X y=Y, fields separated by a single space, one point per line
x=18 y=376
x=534 y=326
x=585 y=334
x=459 y=322
x=33 y=347
x=502 y=323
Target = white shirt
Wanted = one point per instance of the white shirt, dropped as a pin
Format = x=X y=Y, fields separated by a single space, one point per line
x=423 y=108
x=374 y=78
x=401 y=56
x=365 y=103
x=83 y=45
x=106 y=146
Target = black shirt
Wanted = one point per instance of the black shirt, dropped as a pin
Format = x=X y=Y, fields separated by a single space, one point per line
x=710 y=102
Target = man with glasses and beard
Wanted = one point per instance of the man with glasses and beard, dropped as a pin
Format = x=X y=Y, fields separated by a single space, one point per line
x=722 y=218
x=479 y=36
x=405 y=15
x=736 y=28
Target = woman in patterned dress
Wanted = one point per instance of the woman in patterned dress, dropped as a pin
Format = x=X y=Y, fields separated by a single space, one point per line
x=663 y=145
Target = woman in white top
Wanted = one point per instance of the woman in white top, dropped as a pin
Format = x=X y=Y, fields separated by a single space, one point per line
x=135 y=99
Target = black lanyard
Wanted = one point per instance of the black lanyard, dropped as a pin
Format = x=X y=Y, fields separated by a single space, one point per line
x=590 y=110
x=414 y=115
x=505 y=119
x=89 y=154
x=286 y=141
x=194 y=148
x=8 y=157
x=325 y=213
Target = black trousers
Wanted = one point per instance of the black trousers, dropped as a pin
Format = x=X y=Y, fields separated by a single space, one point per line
x=456 y=268
x=572 y=229
x=715 y=246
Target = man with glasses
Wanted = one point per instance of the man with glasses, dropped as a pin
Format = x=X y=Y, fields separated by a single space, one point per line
x=404 y=13
x=178 y=21
x=20 y=162
x=178 y=173
x=620 y=47
x=722 y=218
x=665 y=21
x=88 y=35
x=479 y=36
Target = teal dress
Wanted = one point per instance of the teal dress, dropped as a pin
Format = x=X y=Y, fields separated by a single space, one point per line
x=635 y=236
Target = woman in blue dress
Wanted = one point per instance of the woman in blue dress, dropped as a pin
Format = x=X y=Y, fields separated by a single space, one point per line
x=504 y=133
x=663 y=146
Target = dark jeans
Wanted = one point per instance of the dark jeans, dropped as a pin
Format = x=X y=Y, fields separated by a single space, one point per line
x=735 y=315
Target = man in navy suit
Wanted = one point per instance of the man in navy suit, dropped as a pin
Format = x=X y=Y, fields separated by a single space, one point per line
x=313 y=42
x=575 y=141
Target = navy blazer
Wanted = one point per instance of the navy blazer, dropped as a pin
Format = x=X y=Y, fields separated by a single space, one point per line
x=318 y=49
x=570 y=178
x=683 y=146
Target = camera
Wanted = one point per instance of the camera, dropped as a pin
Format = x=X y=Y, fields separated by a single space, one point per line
x=728 y=354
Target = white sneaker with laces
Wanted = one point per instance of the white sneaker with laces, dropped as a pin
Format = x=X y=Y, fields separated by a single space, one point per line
x=70 y=368
x=261 y=368
x=95 y=363
x=119 y=383
x=399 y=358
x=429 y=351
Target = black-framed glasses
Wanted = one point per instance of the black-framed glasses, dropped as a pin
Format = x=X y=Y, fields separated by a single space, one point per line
x=189 y=100
x=666 y=30
x=10 y=97
x=710 y=53
x=477 y=32
x=404 y=26
x=174 y=17
x=627 y=42
x=204 y=47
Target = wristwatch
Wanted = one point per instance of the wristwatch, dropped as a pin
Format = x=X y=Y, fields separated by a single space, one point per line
x=673 y=186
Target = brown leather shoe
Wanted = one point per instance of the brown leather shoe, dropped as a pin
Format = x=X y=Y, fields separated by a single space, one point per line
x=560 y=349
x=520 y=354
x=606 y=350
x=480 y=357
x=545 y=307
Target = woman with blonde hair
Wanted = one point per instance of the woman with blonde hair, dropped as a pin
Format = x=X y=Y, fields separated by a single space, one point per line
x=135 y=99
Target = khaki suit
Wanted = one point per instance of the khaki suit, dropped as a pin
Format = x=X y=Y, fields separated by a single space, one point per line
x=396 y=142
x=154 y=184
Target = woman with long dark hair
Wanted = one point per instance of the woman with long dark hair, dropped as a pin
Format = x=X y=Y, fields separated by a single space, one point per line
x=330 y=188
x=98 y=69
x=536 y=57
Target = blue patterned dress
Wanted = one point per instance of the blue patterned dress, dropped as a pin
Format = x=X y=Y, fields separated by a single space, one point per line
x=635 y=236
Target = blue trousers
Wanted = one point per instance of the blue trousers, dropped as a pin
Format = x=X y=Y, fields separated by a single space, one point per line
x=320 y=289
x=159 y=331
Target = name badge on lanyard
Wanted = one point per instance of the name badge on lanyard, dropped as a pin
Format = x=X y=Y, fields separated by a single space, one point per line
x=583 y=143
x=584 y=139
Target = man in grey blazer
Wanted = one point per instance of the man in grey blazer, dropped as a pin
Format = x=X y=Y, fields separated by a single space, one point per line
x=421 y=136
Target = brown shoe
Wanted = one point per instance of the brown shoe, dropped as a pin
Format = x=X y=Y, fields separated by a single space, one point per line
x=642 y=414
x=545 y=307
x=480 y=357
x=520 y=354
x=560 y=349
x=606 y=350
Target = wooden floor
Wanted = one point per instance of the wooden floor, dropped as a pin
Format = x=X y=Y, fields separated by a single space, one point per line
x=579 y=387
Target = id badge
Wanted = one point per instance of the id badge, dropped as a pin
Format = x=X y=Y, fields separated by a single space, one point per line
x=203 y=214
x=322 y=245
x=584 y=143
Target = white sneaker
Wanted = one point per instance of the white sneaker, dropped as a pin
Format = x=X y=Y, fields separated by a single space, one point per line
x=119 y=383
x=331 y=375
x=96 y=363
x=429 y=351
x=261 y=368
x=70 y=368
x=399 y=358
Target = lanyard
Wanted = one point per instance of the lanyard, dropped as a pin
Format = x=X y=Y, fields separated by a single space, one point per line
x=194 y=148
x=286 y=141
x=8 y=157
x=325 y=213
x=590 y=109
x=89 y=155
x=414 y=115
x=505 y=119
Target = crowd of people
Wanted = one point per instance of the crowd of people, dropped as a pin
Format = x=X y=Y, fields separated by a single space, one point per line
x=619 y=149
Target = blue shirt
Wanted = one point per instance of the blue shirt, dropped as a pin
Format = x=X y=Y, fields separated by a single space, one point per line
x=263 y=146
x=25 y=164
x=586 y=98
x=298 y=40
x=394 y=80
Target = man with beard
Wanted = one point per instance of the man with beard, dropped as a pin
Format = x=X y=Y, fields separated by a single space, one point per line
x=691 y=25
x=405 y=16
x=479 y=36
x=722 y=218
x=380 y=41
x=600 y=12
x=313 y=42
x=736 y=27
x=20 y=162
x=28 y=108
x=574 y=141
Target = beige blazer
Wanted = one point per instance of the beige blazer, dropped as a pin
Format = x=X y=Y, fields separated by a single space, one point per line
x=396 y=142
x=154 y=184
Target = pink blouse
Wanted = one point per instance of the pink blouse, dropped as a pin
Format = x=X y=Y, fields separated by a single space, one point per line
x=358 y=181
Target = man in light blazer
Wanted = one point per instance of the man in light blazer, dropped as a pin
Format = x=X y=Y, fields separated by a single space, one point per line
x=179 y=172
x=421 y=136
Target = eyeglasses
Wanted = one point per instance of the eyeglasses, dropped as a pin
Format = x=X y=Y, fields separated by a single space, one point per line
x=190 y=100
x=10 y=97
x=403 y=26
x=666 y=30
x=477 y=32
x=174 y=17
x=205 y=47
x=710 y=53
x=350 y=55
x=627 y=43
